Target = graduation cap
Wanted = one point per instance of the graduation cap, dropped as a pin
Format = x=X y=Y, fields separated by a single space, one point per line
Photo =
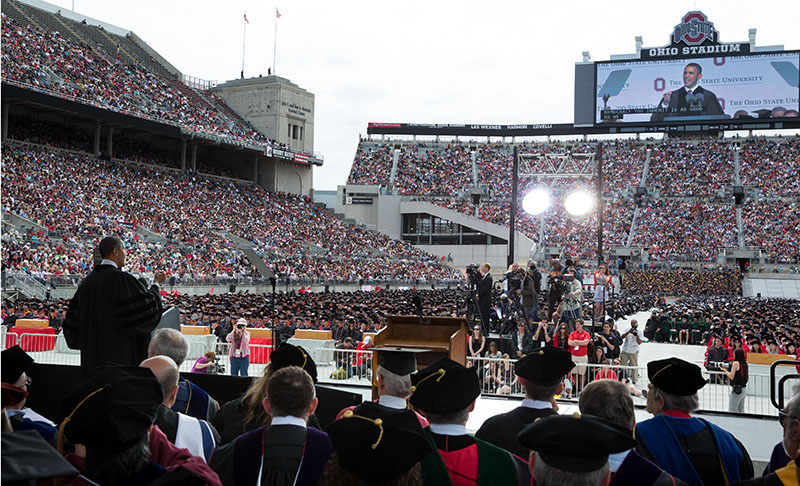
x=111 y=408
x=377 y=442
x=545 y=367
x=15 y=361
x=444 y=387
x=576 y=443
x=27 y=458
x=290 y=355
x=400 y=361
x=676 y=376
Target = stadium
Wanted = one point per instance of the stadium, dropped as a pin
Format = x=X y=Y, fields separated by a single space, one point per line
x=664 y=218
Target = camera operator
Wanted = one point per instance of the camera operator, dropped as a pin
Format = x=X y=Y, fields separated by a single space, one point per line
x=571 y=300
x=239 y=352
x=502 y=314
x=556 y=289
x=531 y=287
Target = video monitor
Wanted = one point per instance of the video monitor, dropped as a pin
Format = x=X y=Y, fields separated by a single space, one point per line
x=761 y=85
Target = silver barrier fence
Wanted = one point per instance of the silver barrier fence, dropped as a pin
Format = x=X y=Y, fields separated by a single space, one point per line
x=343 y=366
x=497 y=378
x=354 y=367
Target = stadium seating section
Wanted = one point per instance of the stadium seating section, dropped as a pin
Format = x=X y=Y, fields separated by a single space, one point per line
x=50 y=178
x=688 y=215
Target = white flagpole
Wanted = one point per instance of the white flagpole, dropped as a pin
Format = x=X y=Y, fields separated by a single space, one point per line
x=275 y=43
x=244 y=39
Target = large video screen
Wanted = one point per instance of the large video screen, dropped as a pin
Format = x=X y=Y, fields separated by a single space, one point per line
x=698 y=89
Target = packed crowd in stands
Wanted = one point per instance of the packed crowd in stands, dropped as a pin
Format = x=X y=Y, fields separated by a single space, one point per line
x=683 y=282
x=438 y=171
x=43 y=59
x=680 y=168
x=61 y=191
x=771 y=165
x=685 y=230
x=774 y=226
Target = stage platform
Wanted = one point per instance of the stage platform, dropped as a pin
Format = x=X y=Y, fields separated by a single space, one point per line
x=758 y=429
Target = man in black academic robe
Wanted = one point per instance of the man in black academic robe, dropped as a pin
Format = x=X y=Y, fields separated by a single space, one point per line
x=286 y=451
x=542 y=372
x=112 y=314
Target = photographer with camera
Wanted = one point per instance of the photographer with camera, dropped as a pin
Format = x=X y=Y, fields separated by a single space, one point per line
x=531 y=287
x=556 y=290
x=629 y=355
x=571 y=300
x=239 y=351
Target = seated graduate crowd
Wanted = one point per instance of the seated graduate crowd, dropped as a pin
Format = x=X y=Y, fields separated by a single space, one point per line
x=191 y=211
x=759 y=325
x=271 y=434
x=683 y=282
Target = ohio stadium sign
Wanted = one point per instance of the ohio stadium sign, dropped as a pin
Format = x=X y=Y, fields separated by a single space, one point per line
x=694 y=36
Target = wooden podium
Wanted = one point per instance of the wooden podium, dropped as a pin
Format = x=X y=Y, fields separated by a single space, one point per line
x=442 y=336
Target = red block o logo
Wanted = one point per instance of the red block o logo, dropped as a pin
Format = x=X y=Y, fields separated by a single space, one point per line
x=659 y=84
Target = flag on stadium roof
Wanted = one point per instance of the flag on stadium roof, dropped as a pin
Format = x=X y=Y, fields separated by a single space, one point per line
x=277 y=14
x=245 y=18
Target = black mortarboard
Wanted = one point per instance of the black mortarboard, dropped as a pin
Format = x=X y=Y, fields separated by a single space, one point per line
x=444 y=387
x=27 y=457
x=545 y=367
x=14 y=362
x=400 y=361
x=576 y=443
x=676 y=376
x=112 y=407
x=378 y=442
x=290 y=355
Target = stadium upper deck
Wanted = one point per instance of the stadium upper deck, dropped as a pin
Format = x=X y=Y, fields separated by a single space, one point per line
x=688 y=214
x=48 y=53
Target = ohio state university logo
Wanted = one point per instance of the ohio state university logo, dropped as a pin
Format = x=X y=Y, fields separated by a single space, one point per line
x=694 y=30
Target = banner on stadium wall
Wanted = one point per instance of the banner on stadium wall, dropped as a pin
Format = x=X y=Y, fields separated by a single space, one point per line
x=358 y=200
x=290 y=155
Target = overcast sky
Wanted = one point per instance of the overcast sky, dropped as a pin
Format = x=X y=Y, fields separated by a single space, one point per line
x=502 y=62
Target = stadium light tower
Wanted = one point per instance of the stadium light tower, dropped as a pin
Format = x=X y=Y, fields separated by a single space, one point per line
x=556 y=166
x=578 y=203
x=536 y=201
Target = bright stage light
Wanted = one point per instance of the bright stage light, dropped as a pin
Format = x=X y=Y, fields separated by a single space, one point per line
x=578 y=203
x=537 y=201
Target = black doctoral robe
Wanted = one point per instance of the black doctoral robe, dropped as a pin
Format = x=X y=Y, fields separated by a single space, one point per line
x=110 y=318
x=279 y=455
x=501 y=430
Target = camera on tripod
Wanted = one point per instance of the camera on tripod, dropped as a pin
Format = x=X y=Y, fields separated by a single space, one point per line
x=472 y=271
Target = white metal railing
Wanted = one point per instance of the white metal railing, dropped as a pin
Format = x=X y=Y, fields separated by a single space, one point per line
x=497 y=378
x=351 y=366
x=354 y=367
